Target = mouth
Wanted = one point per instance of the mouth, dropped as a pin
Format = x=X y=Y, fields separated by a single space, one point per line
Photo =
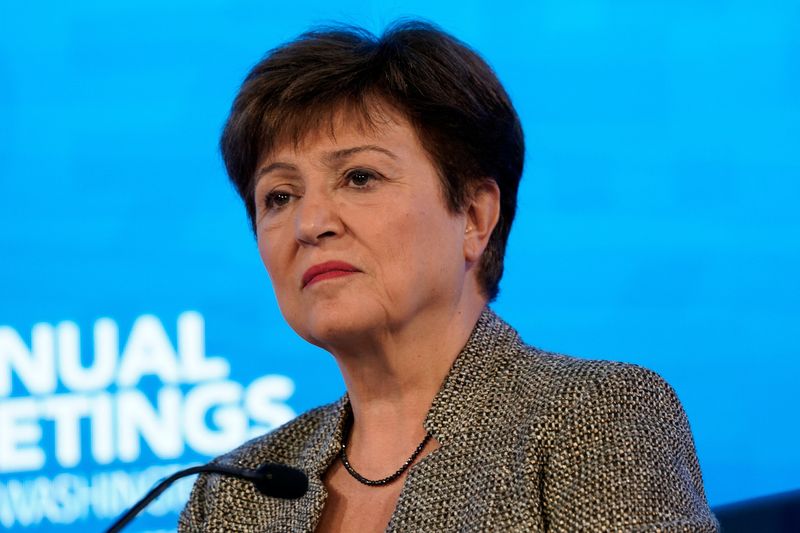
x=327 y=270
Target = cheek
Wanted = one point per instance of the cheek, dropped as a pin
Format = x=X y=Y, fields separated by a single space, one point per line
x=280 y=275
x=270 y=256
x=423 y=241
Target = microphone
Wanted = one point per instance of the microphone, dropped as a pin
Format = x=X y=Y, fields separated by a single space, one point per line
x=271 y=479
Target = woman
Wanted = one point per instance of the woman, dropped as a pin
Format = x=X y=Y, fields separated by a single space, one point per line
x=380 y=176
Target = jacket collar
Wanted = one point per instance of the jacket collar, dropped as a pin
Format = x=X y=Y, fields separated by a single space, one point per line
x=475 y=366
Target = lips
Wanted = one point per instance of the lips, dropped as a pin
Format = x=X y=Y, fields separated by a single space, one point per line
x=327 y=270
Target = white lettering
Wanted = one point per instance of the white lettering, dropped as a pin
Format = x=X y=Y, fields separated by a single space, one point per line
x=195 y=366
x=102 y=429
x=101 y=373
x=20 y=434
x=224 y=399
x=35 y=367
x=211 y=416
x=148 y=351
x=159 y=427
x=24 y=503
x=264 y=402
x=66 y=410
x=68 y=497
x=67 y=494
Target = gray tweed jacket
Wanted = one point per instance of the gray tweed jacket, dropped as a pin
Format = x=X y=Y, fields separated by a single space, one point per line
x=530 y=441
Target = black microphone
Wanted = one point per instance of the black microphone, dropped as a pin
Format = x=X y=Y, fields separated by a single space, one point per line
x=272 y=479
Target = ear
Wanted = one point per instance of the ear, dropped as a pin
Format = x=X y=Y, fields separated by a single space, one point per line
x=482 y=214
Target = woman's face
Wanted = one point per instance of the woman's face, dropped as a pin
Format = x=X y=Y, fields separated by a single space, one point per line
x=354 y=232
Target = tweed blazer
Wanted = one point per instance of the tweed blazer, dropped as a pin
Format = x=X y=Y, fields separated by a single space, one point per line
x=529 y=441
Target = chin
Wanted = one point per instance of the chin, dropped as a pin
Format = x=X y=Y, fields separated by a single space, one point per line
x=330 y=323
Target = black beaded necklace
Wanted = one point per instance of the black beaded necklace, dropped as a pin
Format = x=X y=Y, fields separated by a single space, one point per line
x=376 y=482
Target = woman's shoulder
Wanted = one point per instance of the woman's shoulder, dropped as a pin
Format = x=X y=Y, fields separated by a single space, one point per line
x=542 y=372
x=509 y=381
x=546 y=387
x=567 y=371
x=611 y=431
x=566 y=382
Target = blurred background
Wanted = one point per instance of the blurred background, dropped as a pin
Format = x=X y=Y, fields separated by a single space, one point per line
x=658 y=225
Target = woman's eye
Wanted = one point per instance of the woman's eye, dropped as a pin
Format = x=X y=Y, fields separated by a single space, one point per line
x=360 y=178
x=277 y=199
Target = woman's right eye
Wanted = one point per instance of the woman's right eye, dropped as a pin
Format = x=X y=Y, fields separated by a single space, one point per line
x=277 y=199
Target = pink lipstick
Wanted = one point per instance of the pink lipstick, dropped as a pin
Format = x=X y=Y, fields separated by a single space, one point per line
x=327 y=270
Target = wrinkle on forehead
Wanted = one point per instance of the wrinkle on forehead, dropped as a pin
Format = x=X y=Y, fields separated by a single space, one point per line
x=366 y=116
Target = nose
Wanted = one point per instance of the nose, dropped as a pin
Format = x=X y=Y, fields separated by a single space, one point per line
x=317 y=218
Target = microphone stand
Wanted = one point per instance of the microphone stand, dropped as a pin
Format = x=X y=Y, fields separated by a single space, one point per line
x=261 y=477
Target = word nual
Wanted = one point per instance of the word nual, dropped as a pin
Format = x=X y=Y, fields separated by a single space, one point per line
x=193 y=403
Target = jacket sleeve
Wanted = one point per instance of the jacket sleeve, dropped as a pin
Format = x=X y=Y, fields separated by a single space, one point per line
x=624 y=460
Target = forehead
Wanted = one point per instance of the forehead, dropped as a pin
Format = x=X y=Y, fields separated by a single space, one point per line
x=341 y=127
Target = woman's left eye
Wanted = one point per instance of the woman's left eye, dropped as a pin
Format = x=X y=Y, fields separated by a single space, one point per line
x=359 y=179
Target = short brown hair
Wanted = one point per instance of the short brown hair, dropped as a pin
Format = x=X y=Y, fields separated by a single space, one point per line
x=458 y=108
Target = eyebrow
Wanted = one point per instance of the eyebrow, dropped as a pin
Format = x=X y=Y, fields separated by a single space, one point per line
x=330 y=159
x=338 y=155
x=271 y=167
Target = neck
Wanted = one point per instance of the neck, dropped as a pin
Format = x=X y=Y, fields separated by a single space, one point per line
x=391 y=381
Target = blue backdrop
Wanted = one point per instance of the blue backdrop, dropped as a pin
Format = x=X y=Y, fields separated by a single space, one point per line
x=658 y=224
